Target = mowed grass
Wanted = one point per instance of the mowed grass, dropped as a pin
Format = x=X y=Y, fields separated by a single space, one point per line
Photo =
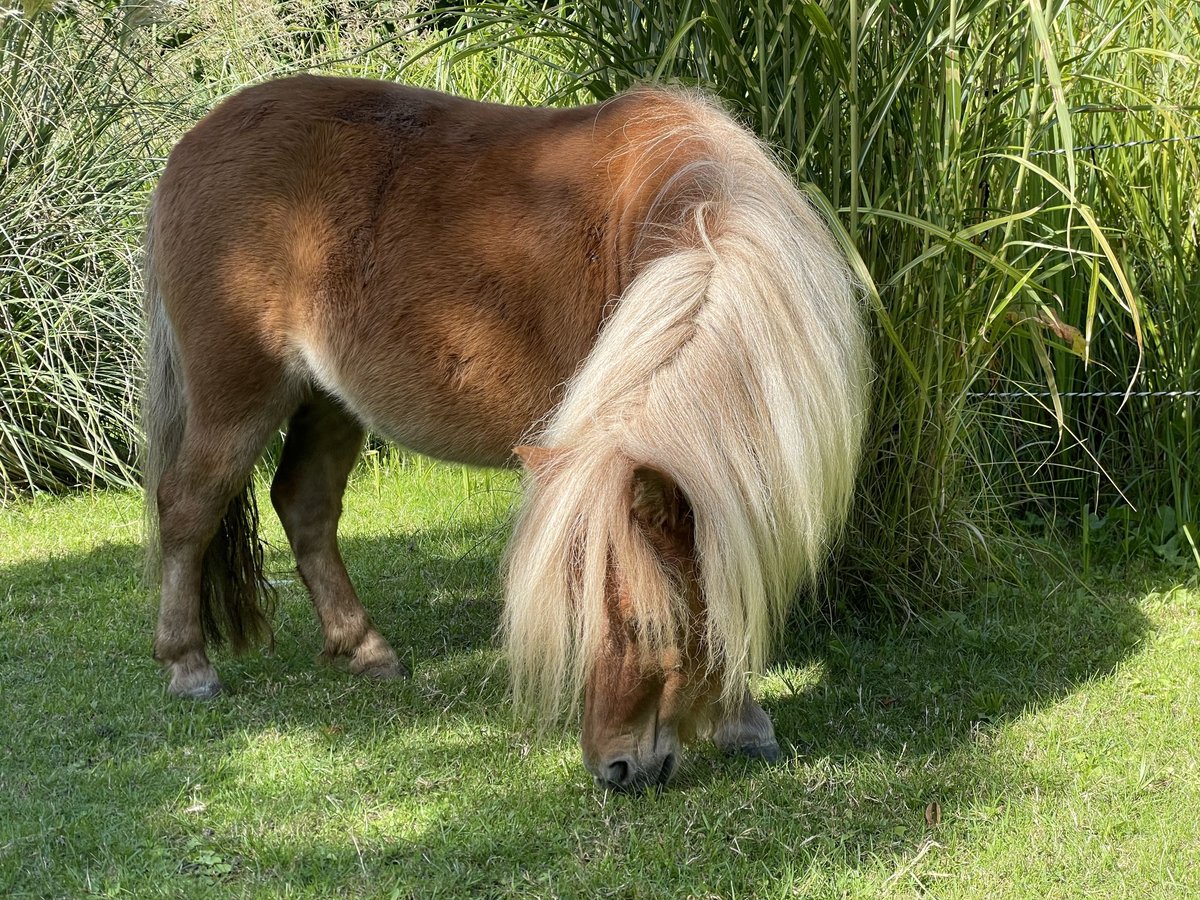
x=1041 y=741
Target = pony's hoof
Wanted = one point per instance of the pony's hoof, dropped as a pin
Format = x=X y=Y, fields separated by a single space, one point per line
x=196 y=685
x=375 y=659
x=748 y=732
x=388 y=672
x=769 y=752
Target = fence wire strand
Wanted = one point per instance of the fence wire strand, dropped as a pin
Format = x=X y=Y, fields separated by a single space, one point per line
x=1143 y=143
x=1035 y=395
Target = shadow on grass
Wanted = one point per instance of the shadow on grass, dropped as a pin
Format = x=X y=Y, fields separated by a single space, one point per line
x=107 y=777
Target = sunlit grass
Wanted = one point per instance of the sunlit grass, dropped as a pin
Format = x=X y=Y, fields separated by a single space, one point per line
x=1035 y=741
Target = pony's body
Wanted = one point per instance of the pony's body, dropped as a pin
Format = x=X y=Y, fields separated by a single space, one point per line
x=437 y=265
x=347 y=254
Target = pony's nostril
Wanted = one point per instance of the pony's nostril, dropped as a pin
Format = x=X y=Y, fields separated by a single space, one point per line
x=617 y=772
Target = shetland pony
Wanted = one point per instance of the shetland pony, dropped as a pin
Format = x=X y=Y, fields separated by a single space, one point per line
x=629 y=297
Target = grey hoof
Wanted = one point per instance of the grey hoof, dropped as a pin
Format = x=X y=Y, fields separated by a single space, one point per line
x=386 y=672
x=375 y=659
x=194 y=688
x=768 y=752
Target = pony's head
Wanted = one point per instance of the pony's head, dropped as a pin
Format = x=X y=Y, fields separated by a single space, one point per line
x=641 y=661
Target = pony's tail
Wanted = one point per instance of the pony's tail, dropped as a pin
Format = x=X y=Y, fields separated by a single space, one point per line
x=164 y=411
x=236 y=598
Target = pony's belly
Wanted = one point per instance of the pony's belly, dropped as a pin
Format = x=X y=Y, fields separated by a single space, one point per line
x=458 y=420
x=444 y=440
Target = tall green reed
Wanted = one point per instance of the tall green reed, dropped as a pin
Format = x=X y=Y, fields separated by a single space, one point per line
x=943 y=139
x=71 y=171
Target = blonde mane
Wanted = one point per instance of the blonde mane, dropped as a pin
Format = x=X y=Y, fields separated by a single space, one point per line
x=735 y=362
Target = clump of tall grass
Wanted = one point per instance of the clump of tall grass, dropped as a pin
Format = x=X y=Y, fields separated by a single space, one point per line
x=72 y=182
x=944 y=141
x=1124 y=463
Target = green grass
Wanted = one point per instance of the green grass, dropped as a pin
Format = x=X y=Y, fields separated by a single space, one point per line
x=1049 y=734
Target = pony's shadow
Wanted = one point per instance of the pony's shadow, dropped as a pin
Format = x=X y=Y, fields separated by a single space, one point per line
x=943 y=678
x=840 y=688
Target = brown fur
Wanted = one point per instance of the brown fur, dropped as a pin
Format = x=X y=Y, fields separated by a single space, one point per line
x=457 y=254
x=344 y=254
x=427 y=266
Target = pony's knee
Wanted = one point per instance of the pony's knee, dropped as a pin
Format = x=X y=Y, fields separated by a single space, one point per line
x=282 y=492
x=308 y=517
x=178 y=515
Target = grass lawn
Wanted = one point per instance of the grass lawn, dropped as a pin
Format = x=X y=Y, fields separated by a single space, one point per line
x=1033 y=743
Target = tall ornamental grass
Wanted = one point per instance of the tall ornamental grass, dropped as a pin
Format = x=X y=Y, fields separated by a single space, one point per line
x=71 y=171
x=92 y=97
x=952 y=144
x=1017 y=183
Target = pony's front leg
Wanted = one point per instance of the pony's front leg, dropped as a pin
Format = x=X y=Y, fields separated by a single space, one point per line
x=748 y=731
x=320 y=450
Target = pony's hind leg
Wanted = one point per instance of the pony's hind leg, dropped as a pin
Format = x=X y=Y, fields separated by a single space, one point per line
x=747 y=731
x=204 y=523
x=321 y=448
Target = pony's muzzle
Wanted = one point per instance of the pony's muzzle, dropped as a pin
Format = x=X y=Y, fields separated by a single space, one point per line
x=627 y=774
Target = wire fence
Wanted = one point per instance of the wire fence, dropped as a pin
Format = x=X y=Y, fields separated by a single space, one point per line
x=1124 y=395
x=1034 y=395
x=1113 y=146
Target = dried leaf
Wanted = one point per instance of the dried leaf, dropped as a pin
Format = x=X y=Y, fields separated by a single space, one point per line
x=933 y=813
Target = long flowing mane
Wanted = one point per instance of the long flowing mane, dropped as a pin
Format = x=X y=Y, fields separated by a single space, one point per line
x=733 y=362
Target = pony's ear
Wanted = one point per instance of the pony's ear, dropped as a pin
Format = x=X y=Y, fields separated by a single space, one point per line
x=538 y=461
x=659 y=504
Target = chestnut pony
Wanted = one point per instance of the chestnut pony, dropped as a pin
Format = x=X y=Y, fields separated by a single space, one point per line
x=631 y=297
